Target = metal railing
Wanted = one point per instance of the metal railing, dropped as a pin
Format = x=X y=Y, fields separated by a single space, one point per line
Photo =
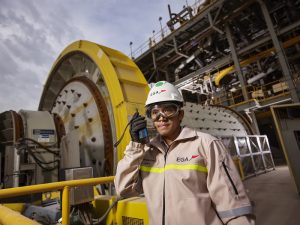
x=63 y=185
x=258 y=92
x=253 y=151
x=165 y=31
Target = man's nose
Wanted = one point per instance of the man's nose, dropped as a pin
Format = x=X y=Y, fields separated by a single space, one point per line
x=161 y=117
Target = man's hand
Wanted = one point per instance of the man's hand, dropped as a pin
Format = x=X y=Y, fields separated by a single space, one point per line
x=137 y=123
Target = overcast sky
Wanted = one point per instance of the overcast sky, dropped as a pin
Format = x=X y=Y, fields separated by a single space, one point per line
x=34 y=32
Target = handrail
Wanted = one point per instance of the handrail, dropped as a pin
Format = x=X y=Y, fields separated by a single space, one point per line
x=165 y=31
x=62 y=185
x=264 y=88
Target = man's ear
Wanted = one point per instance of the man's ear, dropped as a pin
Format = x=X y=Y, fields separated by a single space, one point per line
x=181 y=115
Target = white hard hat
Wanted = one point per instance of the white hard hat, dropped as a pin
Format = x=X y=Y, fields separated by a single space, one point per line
x=163 y=91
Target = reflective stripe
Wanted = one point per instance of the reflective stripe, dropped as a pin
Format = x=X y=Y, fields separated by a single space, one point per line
x=173 y=167
x=236 y=212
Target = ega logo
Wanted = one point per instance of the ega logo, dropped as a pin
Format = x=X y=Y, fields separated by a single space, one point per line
x=157 y=92
x=185 y=159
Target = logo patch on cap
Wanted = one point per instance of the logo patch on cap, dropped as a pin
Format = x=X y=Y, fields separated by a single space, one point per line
x=160 y=83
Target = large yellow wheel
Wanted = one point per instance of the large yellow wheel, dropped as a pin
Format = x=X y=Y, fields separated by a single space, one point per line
x=95 y=90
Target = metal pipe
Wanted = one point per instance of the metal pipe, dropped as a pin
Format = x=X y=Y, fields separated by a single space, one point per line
x=188 y=60
x=184 y=63
x=16 y=162
x=8 y=217
x=65 y=206
x=16 y=173
x=256 y=77
x=13 y=192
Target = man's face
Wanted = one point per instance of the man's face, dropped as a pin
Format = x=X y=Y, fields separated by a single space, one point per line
x=167 y=119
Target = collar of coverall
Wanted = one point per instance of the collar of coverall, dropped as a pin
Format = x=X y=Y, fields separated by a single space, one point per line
x=186 y=133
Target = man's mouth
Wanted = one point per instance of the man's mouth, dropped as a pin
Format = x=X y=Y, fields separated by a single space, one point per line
x=162 y=125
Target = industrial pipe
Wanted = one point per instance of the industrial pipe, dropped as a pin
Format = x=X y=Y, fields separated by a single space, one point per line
x=256 y=77
x=219 y=76
x=25 y=190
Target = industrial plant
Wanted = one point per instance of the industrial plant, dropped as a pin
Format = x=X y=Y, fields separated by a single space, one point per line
x=237 y=66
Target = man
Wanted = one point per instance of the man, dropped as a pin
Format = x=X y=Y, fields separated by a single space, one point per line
x=187 y=176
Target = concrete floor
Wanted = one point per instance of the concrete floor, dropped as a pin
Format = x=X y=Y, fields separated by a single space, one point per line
x=275 y=199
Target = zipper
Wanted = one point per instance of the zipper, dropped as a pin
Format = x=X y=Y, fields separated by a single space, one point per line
x=230 y=179
x=164 y=200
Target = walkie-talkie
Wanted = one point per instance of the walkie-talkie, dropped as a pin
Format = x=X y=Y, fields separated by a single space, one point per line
x=143 y=134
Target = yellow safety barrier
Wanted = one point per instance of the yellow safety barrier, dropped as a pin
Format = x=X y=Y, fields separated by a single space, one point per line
x=63 y=185
x=8 y=217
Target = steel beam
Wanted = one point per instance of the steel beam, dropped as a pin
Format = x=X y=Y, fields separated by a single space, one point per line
x=280 y=52
x=154 y=59
x=265 y=39
x=226 y=59
x=236 y=62
x=254 y=121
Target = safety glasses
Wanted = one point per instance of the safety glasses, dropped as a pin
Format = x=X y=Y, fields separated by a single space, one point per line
x=167 y=110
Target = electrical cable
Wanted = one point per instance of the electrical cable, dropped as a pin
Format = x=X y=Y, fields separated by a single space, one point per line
x=41 y=146
x=101 y=173
x=40 y=163
x=100 y=220
x=120 y=139
x=39 y=160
